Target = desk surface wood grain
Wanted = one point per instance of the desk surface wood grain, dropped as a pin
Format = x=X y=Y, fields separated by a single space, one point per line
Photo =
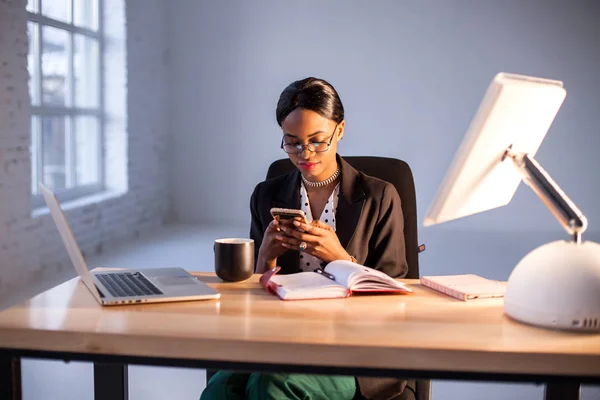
x=424 y=331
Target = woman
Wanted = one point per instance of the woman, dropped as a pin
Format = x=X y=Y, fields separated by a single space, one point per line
x=351 y=216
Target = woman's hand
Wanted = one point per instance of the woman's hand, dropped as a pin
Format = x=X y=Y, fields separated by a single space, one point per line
x=320 y=238
x=270 y=248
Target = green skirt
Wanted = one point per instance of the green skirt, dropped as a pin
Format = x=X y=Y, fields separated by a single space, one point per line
x=231 y=385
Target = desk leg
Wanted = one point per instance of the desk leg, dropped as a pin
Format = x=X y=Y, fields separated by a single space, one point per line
x=562 y=391
x=110 y=382
x=10 y=377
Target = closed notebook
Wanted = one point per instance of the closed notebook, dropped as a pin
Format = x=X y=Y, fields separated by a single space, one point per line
x=338 y=279
x=465 y=287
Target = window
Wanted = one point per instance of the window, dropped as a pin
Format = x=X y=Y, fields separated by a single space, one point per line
x=66 y=89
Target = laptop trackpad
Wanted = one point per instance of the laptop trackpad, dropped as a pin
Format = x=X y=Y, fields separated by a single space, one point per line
x=176 y=281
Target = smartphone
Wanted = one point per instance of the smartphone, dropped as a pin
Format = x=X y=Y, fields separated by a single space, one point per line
x=281 y=214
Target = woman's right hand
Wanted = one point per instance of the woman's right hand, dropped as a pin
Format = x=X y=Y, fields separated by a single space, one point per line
x=270 y=247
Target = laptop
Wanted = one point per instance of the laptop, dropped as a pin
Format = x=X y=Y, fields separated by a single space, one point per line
x=128 y=286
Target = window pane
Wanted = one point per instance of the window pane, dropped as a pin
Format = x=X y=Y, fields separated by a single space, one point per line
x=87 y=150
x=54 y=152
x=57 y=9
x=85 y=13
x=33 y=5
x=32 y=65
x=86 y=72
x=55 y=65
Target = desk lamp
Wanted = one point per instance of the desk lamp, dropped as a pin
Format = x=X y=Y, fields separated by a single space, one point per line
x=557 y=285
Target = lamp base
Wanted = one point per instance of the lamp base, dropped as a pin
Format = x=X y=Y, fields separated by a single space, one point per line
x=557 y=286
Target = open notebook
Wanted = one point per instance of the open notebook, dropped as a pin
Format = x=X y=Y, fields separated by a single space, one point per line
x=338 y=279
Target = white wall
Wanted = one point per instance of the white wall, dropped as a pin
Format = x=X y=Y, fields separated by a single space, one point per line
x=410 y=74
x=31 y=254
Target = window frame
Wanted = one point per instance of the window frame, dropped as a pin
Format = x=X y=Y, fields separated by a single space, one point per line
x=68 y=111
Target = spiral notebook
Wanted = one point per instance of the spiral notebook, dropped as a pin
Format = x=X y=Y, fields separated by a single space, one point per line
x=465 y=287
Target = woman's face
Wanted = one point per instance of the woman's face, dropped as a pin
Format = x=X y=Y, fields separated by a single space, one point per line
x=304 y=127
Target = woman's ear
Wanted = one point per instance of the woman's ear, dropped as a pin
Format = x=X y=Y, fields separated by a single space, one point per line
x=340 y=130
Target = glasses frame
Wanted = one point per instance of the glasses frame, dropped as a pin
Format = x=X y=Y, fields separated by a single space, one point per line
x=308 y=146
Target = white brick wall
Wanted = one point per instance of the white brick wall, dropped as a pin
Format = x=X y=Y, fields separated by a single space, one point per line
x=32 y=256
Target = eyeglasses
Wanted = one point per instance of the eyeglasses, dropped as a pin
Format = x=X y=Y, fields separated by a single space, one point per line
x=315 y=147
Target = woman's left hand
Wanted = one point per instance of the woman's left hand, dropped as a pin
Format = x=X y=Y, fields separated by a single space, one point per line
x=320 y=239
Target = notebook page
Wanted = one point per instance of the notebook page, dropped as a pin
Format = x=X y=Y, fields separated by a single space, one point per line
x=343 y=271
x=307 y=285
x=360 y=278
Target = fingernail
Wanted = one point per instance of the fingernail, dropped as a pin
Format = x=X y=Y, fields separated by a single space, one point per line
x=296 y=223
x=279 y=237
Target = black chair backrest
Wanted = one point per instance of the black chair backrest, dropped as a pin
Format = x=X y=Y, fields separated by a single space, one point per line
x=394 y=171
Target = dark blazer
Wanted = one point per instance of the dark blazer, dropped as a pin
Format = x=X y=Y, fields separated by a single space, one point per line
x=369 y=225
x=369 y=222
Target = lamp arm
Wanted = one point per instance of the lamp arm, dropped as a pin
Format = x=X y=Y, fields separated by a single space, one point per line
x=560 y=205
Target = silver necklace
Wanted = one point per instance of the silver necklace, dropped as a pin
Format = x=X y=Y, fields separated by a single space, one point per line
x=321 y=183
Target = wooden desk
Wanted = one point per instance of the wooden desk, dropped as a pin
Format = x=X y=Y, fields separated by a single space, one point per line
x=423 y=335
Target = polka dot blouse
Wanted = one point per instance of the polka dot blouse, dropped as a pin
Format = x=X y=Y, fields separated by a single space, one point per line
x=308 y=262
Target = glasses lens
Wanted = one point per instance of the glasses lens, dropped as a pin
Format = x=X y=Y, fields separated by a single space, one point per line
x=291 y=149
x=319 y=147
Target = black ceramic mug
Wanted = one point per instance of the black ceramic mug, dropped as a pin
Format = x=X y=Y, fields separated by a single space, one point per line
x=234 y=259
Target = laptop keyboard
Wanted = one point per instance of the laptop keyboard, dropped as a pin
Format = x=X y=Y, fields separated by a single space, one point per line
x=128 y=284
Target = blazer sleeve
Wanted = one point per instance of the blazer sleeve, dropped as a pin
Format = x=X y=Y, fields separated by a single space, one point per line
x=387 y=248
x=256 y=228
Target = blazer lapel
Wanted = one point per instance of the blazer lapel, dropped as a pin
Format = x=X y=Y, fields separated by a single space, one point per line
x=289 y=193
x=350 y=203
x=289 y=197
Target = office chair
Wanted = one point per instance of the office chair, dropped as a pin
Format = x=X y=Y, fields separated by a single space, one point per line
x=397 y=173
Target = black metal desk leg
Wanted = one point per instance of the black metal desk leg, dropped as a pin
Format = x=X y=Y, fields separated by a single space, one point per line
x=110 y=382
x=562 y=391
x=10 y=377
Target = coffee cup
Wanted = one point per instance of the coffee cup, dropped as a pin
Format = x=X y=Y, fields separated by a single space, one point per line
x=234 y=259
